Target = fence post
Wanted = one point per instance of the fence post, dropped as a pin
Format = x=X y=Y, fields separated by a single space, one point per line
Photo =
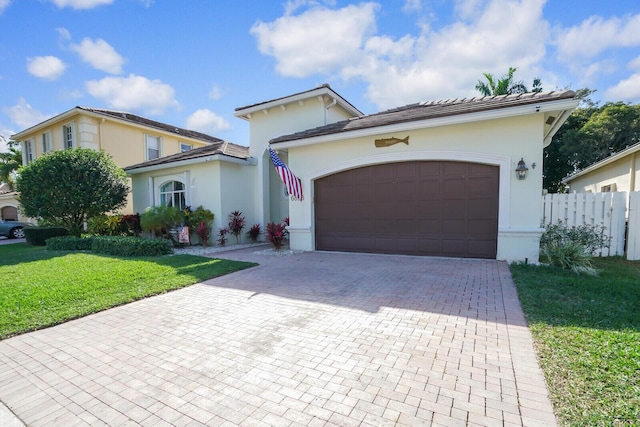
x=633 y=237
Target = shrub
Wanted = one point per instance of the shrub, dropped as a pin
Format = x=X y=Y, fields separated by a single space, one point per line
x=69 y=243
x=591 y=237
x=222 y=236
x=130 y=225
x=130 y=246
x=203 y=233
x=37 y=236
x=569 y=256
x=159 y=220
x=276 y=234
x=236 y=224
x=254 y=232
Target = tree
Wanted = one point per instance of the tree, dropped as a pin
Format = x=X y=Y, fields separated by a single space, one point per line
x=10 y=161
x=69 y=186
x=505 y=85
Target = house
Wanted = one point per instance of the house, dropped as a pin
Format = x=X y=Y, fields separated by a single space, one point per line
x=618 y=172
x=457 y=178
x=9 y=209
x=128 y=138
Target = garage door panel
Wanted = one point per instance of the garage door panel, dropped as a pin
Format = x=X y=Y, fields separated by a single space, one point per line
x=420 y=208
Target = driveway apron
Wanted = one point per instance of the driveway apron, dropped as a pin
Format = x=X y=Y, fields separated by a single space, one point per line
x=307 y=339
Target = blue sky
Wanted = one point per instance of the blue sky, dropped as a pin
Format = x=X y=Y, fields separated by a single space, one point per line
x=191 y=63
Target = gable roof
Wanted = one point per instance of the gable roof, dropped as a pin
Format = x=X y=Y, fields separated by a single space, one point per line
x=323 y=89
x=123 y=117
x=443 y=110
x=197 y=155
x=612 y=158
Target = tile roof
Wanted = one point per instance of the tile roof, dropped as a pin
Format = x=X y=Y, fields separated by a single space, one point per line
x=223 y=147
x=122 y=115
x=429 y=110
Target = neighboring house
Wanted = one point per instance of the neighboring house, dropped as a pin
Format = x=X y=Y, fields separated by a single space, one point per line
x=128 y=138
x=434 y=178
x=618 y=172
x=9 y=208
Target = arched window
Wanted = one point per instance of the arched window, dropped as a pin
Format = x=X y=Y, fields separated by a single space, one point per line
x=173 y=194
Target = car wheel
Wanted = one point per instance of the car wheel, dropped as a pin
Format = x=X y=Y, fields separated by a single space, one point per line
x=17 y=233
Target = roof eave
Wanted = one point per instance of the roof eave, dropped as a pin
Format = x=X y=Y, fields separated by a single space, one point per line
x=18 y=136
x=249 y=161
x=542 y=107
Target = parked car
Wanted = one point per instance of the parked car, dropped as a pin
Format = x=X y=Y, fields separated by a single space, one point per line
x=12 y=229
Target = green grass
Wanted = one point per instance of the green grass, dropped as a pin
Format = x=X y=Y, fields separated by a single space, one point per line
x=40 y=288
x=587 y=335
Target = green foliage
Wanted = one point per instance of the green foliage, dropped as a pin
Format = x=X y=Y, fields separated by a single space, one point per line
x=590 y=237
x=10 y=161
x=130 y=246
x=71 y=185
x=236 y=224
x=114 y=225
x=571 y=248
x=505 y=85
x=69 y=243
x=569 y=256
x=38 y=236
x=159 y=220
x=589 y=135
x=192 y=219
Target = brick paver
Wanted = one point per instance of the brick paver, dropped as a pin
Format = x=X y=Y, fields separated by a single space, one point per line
x=301 y=340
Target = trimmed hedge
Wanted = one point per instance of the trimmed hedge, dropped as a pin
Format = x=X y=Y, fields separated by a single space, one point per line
x=131 y=246
x=69 y=243
x=37 y=236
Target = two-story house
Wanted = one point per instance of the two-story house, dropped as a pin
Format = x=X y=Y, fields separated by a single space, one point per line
x=128 y=138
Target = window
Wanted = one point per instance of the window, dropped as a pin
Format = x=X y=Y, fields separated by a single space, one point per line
x=173 y=194
x=46 y=142
x=28 y=152
x=608 y=188
x=152 y=144
x=185 y=147
x=67 y=136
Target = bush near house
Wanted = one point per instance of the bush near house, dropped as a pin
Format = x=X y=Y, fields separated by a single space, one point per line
x=37 y=236
x=130 y=246
x=69 y=243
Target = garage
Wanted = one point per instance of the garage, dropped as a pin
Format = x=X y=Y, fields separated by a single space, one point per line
x=435 y=208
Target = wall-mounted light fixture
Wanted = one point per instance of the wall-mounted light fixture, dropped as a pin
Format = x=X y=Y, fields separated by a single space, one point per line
x=521 y=169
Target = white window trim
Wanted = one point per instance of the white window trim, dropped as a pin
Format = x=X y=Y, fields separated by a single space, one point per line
x=146 y=145
x=74 y=143
x=157 y=182
x=28 y=154
x=184 y=144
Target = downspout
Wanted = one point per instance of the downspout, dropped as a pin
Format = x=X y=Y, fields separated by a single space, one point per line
x=632 y=172
x=326 y=110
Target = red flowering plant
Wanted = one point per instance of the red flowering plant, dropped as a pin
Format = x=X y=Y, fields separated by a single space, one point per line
x=203 y=233
x=254 y=232
x=276 y=234
x=236 y=224
x=222 y=236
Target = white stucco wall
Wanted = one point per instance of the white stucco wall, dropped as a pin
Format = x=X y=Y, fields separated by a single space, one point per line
x=500 y=142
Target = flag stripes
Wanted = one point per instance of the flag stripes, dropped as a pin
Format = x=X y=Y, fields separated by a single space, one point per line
x=292 y=182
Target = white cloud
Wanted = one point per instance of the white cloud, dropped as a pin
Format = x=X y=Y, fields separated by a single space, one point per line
x=412 y=5
x=80 y=4
x=100 y=55
x=444 y=62
x=46 y=67
x=215 y=92
x=24 y=115
x=206 y=121
x=626 y=90
x=63 y=33
x=634 y=64
x=595 y=35
x=4 y=4
x=134 y=93
x=336 y=36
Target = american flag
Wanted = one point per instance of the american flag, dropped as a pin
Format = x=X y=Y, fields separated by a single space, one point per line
x=292 y=182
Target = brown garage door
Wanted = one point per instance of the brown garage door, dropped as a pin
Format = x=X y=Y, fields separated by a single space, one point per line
x=434 y=208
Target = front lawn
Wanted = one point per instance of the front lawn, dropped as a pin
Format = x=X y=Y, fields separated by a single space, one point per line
x=40 y=288
x=587 y=336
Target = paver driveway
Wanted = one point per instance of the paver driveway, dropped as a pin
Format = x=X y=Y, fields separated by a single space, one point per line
x=307 y=339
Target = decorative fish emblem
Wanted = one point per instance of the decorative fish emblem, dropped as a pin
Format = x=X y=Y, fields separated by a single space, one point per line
x=388 y=142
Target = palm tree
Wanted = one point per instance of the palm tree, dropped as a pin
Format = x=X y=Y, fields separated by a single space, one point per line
x=10 y=161
x=505 y=85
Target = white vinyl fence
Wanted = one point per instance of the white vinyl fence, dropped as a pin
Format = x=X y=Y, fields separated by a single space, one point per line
x=633 y=238
x=601 y=209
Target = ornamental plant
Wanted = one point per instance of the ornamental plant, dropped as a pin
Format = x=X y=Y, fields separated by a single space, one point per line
x=276 y=234
x=236 y=224
x=254 y=232
x=222 y=236
x=203 y=233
